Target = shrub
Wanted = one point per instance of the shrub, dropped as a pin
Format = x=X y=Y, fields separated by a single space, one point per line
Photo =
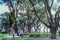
x=38 y=34
x=34 y=35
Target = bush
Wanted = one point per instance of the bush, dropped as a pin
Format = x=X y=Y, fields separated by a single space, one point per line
x=34 y=35
x=31 y=35
x=38 y=34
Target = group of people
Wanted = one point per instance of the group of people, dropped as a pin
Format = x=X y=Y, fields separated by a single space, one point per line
x=21 y=34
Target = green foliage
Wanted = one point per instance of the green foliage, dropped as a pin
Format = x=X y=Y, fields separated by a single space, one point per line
x=11 y=19
x=38 y=34
x=2 y=35
x=5 y=21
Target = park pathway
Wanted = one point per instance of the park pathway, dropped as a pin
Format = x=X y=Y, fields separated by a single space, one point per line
x=45 y=38
x=58 y=38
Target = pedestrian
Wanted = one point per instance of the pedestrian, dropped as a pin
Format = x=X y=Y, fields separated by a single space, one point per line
x=22 y=33
x=13 y=34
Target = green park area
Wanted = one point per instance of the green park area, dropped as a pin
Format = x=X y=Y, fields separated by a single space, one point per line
x=29 y=19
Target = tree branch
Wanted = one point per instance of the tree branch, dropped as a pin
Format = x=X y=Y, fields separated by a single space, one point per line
x=49 y=10
x=36 y=14
x=57 y=18
x=32 y=22
x=51 y=4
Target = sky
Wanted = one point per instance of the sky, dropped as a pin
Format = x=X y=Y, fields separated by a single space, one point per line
x=3 y=7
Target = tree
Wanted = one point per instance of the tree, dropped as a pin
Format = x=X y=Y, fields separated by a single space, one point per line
x=51 y=21
x=12 y=14
x=40 y=9
x=5 y=21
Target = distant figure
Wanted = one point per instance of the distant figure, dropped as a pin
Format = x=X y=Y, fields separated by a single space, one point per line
x=59 y=30
x=13 y=34
x=22 y=34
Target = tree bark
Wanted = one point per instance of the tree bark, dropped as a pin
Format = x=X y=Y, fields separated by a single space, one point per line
x=29 y=29
x=59 y=33
x=53 y=33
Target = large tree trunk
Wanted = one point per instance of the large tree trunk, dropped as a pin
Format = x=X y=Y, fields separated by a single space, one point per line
x=16 y=30
x=22 y=28
x=53 y=33
x=59 y=33
x=29 y=29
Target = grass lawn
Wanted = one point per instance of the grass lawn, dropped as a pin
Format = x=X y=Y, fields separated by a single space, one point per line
x=22 y=39
x=2 y=35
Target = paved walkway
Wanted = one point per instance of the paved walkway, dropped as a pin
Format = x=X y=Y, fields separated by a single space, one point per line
x=58 y=38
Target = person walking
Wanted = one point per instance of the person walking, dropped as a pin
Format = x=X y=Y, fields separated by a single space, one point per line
x=22 y=33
